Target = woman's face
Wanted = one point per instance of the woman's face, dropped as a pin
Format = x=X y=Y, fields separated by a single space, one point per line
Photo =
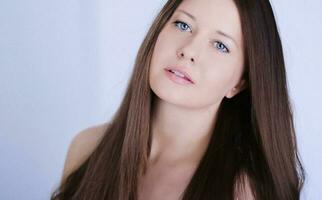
x=194 y=41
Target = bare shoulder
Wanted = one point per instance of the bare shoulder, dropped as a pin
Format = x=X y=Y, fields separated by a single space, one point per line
x=81 y=146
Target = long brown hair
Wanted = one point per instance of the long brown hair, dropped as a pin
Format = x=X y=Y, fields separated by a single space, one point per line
x=254 y=134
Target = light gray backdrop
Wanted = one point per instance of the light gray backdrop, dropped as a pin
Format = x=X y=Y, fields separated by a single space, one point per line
x=64 y=66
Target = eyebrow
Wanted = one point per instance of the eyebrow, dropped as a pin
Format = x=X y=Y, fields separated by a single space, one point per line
x=218 y=31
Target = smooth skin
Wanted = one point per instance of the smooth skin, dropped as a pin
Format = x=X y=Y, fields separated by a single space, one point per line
x=82 y=145
x=184 y=115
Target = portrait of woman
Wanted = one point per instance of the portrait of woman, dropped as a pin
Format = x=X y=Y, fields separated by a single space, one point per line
x=206 y=114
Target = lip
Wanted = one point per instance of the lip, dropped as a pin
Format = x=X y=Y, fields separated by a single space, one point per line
x=179 y=69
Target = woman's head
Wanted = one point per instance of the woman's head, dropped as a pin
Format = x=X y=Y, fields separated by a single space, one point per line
x=204 y=39
x=254 y=134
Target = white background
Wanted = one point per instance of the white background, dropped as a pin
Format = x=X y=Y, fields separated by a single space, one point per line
x=64 y=66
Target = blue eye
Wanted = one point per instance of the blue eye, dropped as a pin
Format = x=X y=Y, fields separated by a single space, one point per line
x=221 y=46
x=181 y=25
x=184 y=27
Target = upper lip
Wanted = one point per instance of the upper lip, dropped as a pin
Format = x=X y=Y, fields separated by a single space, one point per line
x=179 y=69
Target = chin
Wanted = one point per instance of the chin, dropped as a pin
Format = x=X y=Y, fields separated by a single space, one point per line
x=171 y=96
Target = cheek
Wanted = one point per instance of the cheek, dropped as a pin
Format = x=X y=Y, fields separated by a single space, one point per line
x=216 y=81
x=216 y=84
x=168 y=42
x=161 y=51
x=164 y=54
x=213 y=87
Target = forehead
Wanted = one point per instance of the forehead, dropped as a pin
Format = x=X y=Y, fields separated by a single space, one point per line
x=212 y=16
x=208 y=9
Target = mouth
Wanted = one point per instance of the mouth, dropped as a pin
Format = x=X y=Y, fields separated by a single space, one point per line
x=179 y=73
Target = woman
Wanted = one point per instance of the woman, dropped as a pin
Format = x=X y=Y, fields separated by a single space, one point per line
x=206 y=114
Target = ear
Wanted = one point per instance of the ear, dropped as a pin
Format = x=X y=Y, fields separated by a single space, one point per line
x=238 y=88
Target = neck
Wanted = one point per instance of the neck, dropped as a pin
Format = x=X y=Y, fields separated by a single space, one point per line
x=181 y=134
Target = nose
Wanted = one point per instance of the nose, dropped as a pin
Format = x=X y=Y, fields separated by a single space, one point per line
x=189 y=51
x=181 y=54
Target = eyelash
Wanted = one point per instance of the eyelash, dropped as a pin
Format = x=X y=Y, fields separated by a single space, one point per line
x=220 y=43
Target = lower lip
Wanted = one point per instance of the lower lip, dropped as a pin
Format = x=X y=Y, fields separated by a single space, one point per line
x=177 y=79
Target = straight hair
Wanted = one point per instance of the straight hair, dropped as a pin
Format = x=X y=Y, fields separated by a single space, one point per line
x=253 y=138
